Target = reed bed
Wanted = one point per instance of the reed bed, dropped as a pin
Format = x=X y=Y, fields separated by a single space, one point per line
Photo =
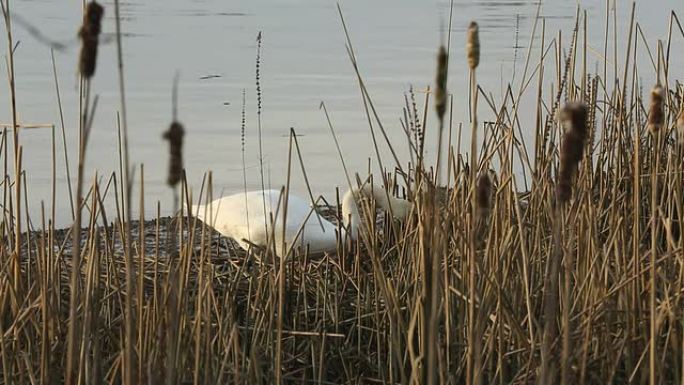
x=570 y=273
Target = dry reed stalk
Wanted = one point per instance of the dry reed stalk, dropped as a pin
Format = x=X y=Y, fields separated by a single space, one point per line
x=16 y=223
x=473 y=364
x=243 y=124
x=481 y=210
x=572 y=151
x=129 y=368
x=141 y=248
x=67 y=168
x=656 y=118
x=573 y=118
x=431 y=261
x=282 y=270
x=680 y=124
x=431 y=247
x=259 y=111
x=89 y=34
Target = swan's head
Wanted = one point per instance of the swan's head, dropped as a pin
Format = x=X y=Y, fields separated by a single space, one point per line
x=400 y=208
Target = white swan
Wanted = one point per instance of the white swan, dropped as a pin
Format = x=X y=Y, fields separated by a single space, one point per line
x=241 y=216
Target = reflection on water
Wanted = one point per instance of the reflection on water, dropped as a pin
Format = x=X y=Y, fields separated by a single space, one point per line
x=212 y=44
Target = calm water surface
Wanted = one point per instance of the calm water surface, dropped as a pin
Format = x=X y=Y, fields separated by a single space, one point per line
x=304 y=63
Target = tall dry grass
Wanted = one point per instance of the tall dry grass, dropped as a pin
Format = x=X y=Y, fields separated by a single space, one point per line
x=458 y=293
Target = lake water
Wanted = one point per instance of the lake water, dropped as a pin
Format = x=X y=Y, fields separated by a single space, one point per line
x=304 y=63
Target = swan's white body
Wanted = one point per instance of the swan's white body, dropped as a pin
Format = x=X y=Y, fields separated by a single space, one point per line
x=242 y=217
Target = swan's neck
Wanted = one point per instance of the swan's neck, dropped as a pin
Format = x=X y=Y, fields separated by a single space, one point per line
x=400 y=208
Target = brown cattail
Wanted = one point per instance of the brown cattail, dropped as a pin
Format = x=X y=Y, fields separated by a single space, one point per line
x=175 y=137
x=483 y=195
x=656 y=112
x=441 y=82
x=473 y=45
x=89 y=34
x=574 y=120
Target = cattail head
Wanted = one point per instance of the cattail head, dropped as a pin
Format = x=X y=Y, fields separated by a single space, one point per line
x=175 y=137
x=573 y=117
x=441 y=83
x=89 y=34
x=656 y=112
x=473 y=45
x=483 y=195
x=574 y=120
x=92 y=18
